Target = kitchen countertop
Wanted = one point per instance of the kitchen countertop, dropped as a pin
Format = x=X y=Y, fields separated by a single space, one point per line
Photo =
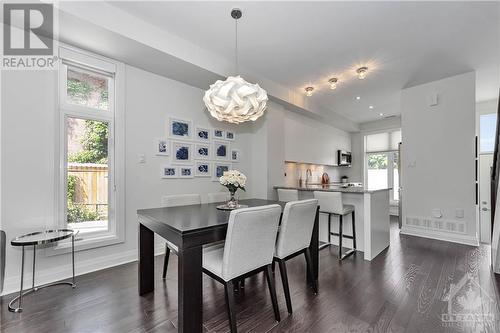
x=333 y=188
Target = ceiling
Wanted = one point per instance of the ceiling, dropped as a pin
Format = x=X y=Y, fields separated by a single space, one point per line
x=297 y=44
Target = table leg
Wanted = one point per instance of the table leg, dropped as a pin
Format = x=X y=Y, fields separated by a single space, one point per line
x=190 y=290
x=20 y=297
x=73 y=258
x=146 y=260
x=314 y=249
x=34 y=260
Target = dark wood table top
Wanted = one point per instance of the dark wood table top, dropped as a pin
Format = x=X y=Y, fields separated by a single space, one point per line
x=175 y=223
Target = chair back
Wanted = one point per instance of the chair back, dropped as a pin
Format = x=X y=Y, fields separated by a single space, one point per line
x=296 y=227
x=286 y=195
x=250 y=240
x=218 y=197
x=2 y=258
x=180 y=200
x=330 y=202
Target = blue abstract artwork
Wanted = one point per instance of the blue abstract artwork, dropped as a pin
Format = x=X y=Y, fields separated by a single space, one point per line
x=218 y=133
x=220 y=169
x=203 y=168
x=203 y=134
x=221 y=151
x=185 y=172
x=180 y=128
x=203 y=151
x=182 y=154
x=169 y=171
x=230 y=135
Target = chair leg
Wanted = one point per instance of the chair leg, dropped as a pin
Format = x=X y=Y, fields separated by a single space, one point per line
x=353 y=232
x=228 y=290
x=165 y=261
x=329 y=228
x=286 y=287
x=272 y=290
x=307 y=254
x=273 y=266
x=340 y=236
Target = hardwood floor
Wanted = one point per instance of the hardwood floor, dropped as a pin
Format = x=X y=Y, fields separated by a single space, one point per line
x=405 y=289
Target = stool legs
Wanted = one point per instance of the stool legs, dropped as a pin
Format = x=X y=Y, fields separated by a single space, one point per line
x=340 y=236
x=353 y=231
x=329 y=228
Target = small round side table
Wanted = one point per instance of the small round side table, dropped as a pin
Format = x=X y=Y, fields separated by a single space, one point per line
x=40 y=238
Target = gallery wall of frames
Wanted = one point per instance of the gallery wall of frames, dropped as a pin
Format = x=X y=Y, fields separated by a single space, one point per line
x=195 y=151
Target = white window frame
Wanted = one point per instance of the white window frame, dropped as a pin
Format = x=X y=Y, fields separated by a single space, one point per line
x=390 y=160
x=114 y=116
x=478 y=130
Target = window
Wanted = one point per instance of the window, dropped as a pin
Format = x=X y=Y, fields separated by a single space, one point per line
x=382 y=160
x=487 y=132
x=89 y=147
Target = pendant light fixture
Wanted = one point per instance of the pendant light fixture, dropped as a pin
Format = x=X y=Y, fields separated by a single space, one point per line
x=235 y=100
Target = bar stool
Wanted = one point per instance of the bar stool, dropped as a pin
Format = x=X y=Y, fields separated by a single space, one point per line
x=331 y=203
x=286 y=195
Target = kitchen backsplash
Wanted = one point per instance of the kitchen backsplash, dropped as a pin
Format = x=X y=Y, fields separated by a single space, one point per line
x=294 y=171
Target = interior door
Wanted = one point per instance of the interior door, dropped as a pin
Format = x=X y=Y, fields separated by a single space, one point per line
x=485 y=162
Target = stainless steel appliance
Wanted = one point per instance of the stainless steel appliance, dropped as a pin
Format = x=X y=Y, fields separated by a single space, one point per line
x=344 y=158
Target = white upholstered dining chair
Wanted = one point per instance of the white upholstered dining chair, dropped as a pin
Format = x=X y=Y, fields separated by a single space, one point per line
x=172 y=201
x=294 y=238
x=286 y=195
x=248 y=249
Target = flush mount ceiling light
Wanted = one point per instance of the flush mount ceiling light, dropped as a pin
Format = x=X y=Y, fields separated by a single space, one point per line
x=358 y=98
x=381 y=114
x=370 y=107
x=362 y=71
x=235 y=100
x=333 y=83
x=309 y=91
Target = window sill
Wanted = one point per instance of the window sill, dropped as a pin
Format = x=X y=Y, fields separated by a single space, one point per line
x=85 y=242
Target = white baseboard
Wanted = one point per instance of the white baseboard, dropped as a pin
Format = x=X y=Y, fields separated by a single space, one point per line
x=44 y=276
x=432 y=234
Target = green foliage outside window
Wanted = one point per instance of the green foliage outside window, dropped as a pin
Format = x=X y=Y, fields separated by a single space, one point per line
x=94 y=142
x=377 y=161
x=75 y=212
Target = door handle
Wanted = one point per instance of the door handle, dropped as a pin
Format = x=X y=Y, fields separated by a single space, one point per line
x=484 y=209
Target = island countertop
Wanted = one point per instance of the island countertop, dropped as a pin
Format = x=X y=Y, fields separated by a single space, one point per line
x=332 y=188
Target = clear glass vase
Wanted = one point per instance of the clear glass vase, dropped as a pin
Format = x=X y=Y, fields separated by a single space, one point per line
x=232 y=203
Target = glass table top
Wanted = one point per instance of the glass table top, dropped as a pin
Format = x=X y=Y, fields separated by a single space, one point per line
x=42 y=237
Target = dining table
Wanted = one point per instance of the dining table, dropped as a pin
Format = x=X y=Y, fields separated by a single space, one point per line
x=189 y=228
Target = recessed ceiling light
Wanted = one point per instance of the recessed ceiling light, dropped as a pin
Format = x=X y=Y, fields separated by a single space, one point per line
x=381 y=114
x=358 y=98
x=362 y=71
x=333 y=83
x=370 y=107
x=309 y=91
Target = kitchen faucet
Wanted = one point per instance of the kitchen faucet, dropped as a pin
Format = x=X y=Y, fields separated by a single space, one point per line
x=308 y=174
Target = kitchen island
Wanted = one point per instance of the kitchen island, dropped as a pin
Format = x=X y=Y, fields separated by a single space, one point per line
x=372 y=216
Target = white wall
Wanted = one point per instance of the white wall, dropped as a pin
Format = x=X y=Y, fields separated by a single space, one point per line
x=28 y=149
x=438 y=155
x=310 y=141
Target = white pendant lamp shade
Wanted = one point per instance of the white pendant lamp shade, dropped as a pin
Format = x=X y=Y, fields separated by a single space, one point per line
x=235 y=100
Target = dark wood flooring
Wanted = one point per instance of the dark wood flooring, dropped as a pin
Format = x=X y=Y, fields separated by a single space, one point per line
x=408 y=288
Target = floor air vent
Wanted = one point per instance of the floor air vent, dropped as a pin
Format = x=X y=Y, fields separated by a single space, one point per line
x=436 y=224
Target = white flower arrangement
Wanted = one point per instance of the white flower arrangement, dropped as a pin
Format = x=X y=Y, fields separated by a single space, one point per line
x=233 y=180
